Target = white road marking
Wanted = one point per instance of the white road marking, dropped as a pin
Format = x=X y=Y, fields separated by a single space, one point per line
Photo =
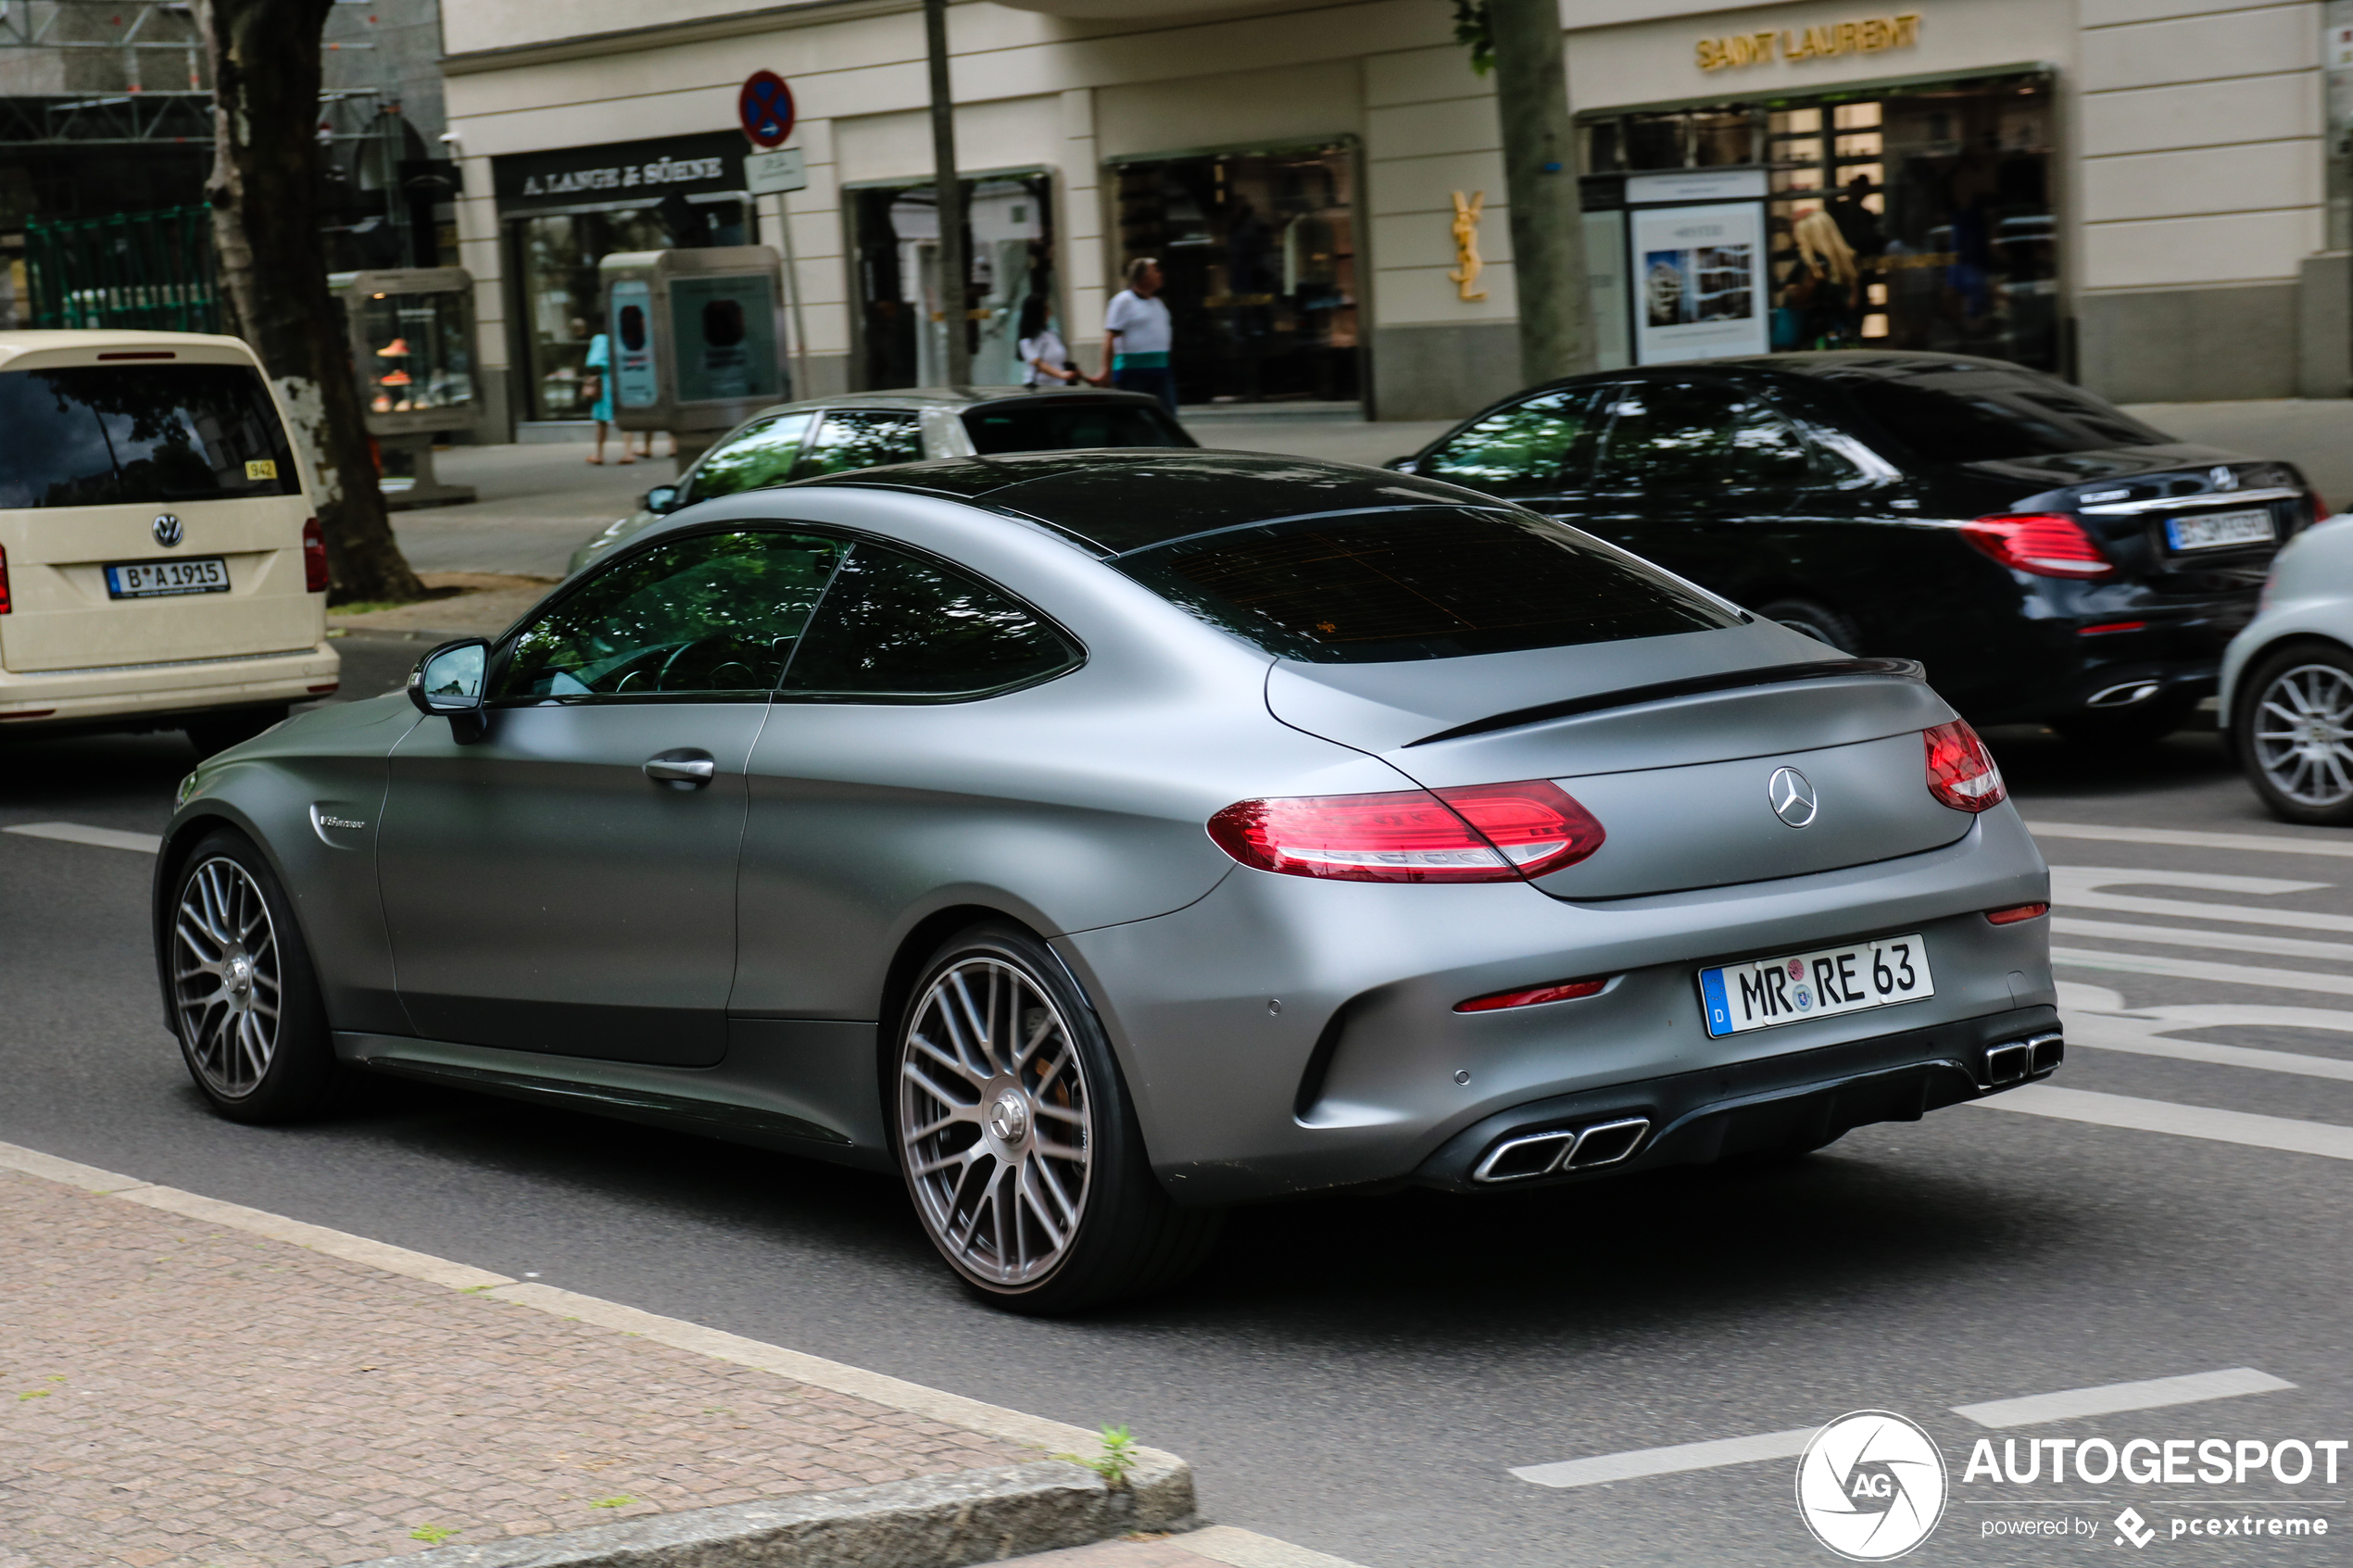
x=104 y=838
x=1638 y=1462
x=2076 y=996
x=2183 y=1121
x=2190 y=936
x=2121 y=1034
x=2080 y=887
x=2276 y=843
x=2194 y=969
x=2073 y=1404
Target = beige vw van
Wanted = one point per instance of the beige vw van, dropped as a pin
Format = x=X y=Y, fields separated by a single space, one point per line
x=160 y=563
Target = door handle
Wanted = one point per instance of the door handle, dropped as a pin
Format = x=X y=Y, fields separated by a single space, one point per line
x=682 y=769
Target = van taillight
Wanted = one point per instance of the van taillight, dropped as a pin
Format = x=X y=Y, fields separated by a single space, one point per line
x=1479 y=832
x=314 y=557
x=4 y=580
x=1960 y=770
x=2045 y=544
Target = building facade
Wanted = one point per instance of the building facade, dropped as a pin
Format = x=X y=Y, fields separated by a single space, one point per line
x=2146 y=195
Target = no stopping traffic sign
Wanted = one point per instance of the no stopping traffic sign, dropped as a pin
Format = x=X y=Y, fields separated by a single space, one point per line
x=766 y=108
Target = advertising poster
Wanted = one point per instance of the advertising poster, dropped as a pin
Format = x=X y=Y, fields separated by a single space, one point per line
x=1699 y=280
x=630 y=324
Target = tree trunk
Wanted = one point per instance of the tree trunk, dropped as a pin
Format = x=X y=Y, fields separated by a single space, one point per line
x=1539 y=173
x=266 y=171
x=955 y=272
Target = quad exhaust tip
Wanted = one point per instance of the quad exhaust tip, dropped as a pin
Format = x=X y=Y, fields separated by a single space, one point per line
x=1564 y=1148
x=2019 y=1059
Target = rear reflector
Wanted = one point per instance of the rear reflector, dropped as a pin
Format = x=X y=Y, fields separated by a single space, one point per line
x=2017 y=912
x=2106 y=626
x=323 y=691
x=30 y=713
x=314 y=557
x=2044 y=544
x=3 y=579
x=1558 y=991
x=1960 y=770
x=1483 y=833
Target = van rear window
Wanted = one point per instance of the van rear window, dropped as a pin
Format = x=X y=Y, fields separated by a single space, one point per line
x=1419 y=583
x=95 y=436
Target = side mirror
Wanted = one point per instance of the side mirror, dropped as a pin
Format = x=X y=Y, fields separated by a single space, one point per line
x=449 y=682
x=661 y=499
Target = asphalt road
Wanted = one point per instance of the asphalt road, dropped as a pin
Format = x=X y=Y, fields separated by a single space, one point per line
x=1361 y=1376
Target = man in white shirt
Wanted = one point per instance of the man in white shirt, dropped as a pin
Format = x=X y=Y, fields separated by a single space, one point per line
x=1137 y=336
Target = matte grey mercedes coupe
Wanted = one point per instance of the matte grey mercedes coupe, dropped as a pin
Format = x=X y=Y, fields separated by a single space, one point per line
x=1102 y=839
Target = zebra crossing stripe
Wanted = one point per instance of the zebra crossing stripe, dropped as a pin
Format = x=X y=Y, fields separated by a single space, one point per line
x=2281 y=1133
x=2134 y=1036
x=2217 y=941
x=2196 y=969
x=2260 y=843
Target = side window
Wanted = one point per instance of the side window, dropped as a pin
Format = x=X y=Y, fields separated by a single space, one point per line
x=762 y=454
x=1537 y=448
x=710 y=616
x=897 y=626
x=863 y=438
x=1694 y=436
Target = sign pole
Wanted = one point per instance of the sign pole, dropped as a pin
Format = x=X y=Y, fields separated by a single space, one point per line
x=767 y=112
x=955 y=304
x=792 y=294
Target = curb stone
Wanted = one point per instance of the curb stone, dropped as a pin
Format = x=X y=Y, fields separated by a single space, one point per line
x=937 y=1522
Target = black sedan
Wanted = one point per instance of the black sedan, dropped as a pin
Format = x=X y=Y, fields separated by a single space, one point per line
x=2046 y=554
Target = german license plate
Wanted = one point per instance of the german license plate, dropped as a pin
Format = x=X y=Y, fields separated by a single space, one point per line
x=2212 y=531
x=158 y=579
x=1881 y=972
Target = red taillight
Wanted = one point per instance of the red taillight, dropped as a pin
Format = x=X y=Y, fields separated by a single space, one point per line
x=1484 y=833
x=2045 y=544
x=2016 y=913
x=314 y=557
x=1960 y=770
x=1559 y=991
x=3 y=579
x=2106 y=626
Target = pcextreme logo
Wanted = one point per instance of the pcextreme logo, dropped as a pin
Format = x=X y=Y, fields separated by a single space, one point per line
x=1870 y=1485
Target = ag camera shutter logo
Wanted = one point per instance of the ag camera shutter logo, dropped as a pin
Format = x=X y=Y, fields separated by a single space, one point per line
x=1870 y=1485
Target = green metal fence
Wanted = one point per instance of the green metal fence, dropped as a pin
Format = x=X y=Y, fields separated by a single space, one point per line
x=142 y=269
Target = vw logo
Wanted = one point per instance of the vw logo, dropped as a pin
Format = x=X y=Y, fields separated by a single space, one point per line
x=2221 y=478
x=1791 y=796
x=167 y=530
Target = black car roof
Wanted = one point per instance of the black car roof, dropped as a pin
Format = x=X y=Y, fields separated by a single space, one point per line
x=1131 y=499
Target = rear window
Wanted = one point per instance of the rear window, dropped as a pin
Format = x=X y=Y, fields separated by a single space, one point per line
x=94 y=436
x=1967 y=415
x=1057 y=427
x=1419 y=583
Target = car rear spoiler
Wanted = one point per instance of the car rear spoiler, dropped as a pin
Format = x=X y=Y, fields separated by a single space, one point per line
x=1662 y=691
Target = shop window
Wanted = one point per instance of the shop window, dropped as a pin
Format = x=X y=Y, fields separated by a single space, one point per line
x=1258 y=251
x=1008 y=247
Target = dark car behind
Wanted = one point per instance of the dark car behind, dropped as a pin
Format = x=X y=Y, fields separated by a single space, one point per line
x=2046 y=555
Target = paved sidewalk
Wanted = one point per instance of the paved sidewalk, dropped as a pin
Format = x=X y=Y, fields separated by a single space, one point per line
x=186 y=1383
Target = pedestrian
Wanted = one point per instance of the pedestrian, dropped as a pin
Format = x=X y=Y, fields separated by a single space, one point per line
x=600 y=390
x=1137 y=336
x=1043 y=354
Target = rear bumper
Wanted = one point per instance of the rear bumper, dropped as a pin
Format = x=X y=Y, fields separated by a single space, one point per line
x=1790 y=1103
x=160 y=695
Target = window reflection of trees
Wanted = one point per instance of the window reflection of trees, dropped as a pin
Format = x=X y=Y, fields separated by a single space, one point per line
x=716 y=614
x=761 y=455
x=95 y=436
x=862 y=439
x=894 y=625
x=1678 y=436
x=1541 y=444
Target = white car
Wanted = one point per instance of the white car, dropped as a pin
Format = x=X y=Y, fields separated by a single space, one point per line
x=161 y=565
x=2287 y=681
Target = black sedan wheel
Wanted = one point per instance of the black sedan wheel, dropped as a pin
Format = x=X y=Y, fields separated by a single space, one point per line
x=1816 y=621
x=245 y=1002
x=2295 y=734
x=1017 y=1141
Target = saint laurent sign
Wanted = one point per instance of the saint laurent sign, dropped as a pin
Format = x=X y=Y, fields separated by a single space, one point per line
x=1865 y=37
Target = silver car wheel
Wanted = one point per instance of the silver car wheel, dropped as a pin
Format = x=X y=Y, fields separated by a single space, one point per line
x=2303 y=734
x=225 y=980
x=996 y=1121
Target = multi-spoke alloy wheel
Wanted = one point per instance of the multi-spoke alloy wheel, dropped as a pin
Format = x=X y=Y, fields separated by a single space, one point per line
x=2302 y=735
x=996 y=1121
x=226 y=977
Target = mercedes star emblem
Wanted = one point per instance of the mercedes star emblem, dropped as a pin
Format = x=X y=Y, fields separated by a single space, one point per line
x=1791 y=796
x=167 y=530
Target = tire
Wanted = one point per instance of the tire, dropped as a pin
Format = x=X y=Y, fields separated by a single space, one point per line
x=218 y=732
x=2128 y=728
x=2301 y=767
x=1024 y=1160
x=1816 y=621
x=245 y=1000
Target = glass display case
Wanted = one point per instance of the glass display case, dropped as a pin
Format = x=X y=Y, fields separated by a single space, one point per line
x=413 y=343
